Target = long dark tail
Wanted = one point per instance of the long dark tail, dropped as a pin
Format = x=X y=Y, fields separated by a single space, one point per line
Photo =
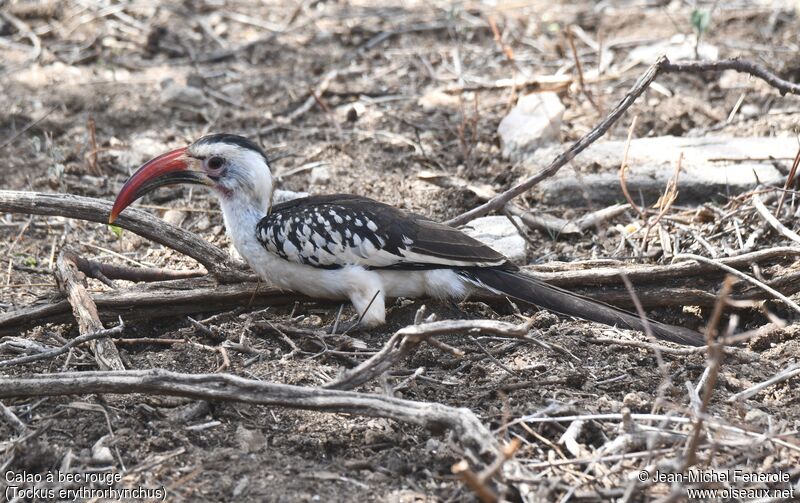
x=529 y=290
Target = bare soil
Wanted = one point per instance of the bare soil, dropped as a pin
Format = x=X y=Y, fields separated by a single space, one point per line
x=154 y=75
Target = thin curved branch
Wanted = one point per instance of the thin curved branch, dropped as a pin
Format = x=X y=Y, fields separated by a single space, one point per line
x=84 y=309
x=739 y=65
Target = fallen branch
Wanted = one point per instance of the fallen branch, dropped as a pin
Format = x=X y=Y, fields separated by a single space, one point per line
x=156 y=300
x=786 y=300
x=468 y=430
x=662 y=65
x=107 y=272
x=642 y=274
x=71 y=280
x=216 y=261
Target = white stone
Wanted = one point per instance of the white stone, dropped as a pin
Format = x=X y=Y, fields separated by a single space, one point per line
x=499 y=233
x=174 y=217
x=101 y=454
x=436 y=99
x=757 y=417
x=179 y=96
x=533 y=123
x=138 y=149
x=711 y=166
x=320 y=175
x=680 y=46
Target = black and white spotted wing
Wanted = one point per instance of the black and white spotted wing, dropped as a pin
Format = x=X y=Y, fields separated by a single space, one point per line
x=333 y=231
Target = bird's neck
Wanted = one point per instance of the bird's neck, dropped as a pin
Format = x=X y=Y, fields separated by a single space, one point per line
x=241 y=217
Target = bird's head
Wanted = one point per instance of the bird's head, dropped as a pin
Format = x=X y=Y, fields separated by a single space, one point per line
x=234 y=167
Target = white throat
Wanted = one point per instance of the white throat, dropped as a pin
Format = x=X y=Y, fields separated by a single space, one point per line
x=241 y=217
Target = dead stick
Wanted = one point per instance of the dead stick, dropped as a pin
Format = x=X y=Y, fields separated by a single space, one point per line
x=644 y=274
x=662 y=65
x=784 y=375
x=104 y=272
x=778 y=295
x=84 y=309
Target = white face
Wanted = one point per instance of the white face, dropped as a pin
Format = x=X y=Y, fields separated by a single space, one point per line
x=239 y=173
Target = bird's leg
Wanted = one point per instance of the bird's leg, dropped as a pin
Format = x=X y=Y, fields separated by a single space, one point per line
x=371 y=312
x=344 y=326
x=340 y=326
x=371 y=308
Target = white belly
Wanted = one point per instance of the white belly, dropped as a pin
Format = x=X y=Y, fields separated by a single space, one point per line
x=345 y=282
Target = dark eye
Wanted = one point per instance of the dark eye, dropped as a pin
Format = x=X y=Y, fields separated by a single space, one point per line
x=215 y=163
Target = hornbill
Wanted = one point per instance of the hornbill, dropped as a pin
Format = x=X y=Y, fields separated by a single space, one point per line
x=351 y=247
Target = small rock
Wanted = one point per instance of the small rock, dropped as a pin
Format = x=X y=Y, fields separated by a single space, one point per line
x=176 y=95
x=757 y=417
x=607 y=404
x=139 y=149
x=637 y=401
x=202 y=224
x=174 y=217
x=250 y=440
x=320 y=175
x=500 y=234
x=750 y=110
x=533 y=123
x=680 y=46
x=438 y=99
x=432 y=445
x=240 y=487
x=544 y=319
x=234 y=91
x=101 y=454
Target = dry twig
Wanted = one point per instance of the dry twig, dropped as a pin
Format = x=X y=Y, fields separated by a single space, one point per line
x=792 y=371
x=776 y=224
x=71 y=280
x=778 y=295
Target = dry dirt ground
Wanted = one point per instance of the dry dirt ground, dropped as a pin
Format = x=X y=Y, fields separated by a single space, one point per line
x=154 y=75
